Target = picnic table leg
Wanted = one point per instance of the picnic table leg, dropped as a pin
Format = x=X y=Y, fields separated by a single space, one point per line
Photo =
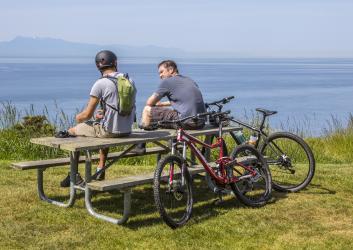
x=74 y=156
x=88 y=198
x=207 y=155
x=159 y=155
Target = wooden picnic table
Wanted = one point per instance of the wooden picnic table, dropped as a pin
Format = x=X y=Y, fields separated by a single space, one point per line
x=78 y=145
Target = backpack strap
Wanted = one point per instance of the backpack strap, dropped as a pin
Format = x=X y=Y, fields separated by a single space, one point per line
x=104 y=103
x=114 y=79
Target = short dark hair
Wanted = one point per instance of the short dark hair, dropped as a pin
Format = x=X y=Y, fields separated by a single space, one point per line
x=169 y=63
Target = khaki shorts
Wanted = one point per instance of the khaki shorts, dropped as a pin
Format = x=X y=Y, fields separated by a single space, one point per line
x=92 y=129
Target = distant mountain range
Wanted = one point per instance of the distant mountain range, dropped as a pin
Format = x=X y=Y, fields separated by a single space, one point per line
x=39 y=47
x=50 y=47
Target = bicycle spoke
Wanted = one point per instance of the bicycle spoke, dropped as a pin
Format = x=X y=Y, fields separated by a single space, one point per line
x=292 y=166
x=254 y=185
x=172 y=191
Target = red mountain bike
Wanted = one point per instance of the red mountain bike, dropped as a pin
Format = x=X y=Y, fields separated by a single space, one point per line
x=245 y=172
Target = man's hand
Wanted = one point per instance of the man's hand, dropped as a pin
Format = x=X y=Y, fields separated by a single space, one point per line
x=87 y=113
x=163 y=104
x=99 y=115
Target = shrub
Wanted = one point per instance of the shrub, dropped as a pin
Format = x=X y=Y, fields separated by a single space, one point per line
x=35 y=125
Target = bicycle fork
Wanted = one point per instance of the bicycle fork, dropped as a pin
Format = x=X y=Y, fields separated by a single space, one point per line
x=183 y=166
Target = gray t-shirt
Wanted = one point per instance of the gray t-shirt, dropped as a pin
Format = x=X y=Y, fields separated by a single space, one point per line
x=184 y=95
x=112 y=121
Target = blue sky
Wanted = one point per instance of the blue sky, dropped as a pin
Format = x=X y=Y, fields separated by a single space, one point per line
x=253 y=27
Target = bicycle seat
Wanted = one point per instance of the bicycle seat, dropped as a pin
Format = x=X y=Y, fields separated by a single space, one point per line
x=266 y=112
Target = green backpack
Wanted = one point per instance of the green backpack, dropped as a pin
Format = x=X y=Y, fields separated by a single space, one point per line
x=126 y=94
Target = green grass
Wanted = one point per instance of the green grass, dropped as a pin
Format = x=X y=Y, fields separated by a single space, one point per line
x=336 y=147
x=320 y=217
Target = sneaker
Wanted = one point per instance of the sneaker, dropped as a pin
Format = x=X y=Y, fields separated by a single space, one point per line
x=100 y=176
x=63 y=134
x=149 y=127
x=66 y=182
x=140 y=149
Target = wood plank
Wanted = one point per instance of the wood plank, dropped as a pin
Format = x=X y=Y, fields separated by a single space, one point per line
x=131 y=181
x=66 y=161
x=137 y=136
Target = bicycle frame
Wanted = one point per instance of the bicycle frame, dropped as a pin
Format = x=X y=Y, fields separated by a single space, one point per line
x=259 y=131
x=222 y=161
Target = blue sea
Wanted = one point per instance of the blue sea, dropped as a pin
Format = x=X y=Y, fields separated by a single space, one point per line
x=307 y=93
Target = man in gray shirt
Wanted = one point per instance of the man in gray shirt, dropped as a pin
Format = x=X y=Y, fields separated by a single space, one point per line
x=109 y=123
x=183 y=94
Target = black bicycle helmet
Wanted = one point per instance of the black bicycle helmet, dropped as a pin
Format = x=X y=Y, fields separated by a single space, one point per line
x=105 y=59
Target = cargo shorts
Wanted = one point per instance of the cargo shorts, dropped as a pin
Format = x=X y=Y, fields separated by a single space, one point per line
x=95 y=129
x=166 y=114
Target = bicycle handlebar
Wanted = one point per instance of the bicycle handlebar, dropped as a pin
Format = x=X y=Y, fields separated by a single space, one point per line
x=222 y=101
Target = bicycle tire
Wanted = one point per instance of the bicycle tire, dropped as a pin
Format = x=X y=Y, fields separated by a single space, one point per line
x=287 y=176
x=256 y=190
x=177 y=195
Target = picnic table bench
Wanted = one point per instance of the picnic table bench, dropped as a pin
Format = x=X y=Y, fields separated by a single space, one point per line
x=78 y=145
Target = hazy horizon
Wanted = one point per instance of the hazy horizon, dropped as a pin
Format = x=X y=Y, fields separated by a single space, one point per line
x=34 y=44
x=273 y=28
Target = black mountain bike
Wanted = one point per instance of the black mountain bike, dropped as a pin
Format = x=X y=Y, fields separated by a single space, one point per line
x=289 y=157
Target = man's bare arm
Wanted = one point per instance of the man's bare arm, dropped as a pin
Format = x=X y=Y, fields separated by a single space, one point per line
x=87 y=113
x=153 y=100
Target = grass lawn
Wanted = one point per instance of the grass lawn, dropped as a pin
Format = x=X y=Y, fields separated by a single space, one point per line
x=320 y=217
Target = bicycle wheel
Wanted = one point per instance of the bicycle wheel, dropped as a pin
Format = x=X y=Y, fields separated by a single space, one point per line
x=172 y=191
x=253 y=187
x=290 y=159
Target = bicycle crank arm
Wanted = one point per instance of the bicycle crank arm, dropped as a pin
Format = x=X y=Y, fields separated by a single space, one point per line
x=245 y=177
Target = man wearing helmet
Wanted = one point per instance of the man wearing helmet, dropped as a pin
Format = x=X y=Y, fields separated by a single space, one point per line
x=108 y=123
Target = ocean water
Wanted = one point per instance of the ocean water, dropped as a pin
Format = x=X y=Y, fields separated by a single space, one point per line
x=307 y=93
